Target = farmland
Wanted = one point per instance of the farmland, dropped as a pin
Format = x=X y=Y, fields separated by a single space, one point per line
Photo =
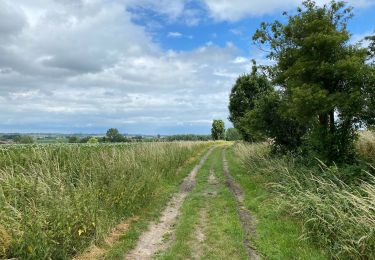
x=142 y=130
x=105 y=200
x=57 y=199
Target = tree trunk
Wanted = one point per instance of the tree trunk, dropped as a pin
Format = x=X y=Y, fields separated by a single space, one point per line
x=323 y=120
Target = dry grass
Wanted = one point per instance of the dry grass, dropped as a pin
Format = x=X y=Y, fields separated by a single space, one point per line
x=366 y=146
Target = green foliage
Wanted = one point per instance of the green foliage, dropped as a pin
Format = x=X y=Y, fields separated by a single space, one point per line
x=371 y=48
x=232 y=134
x=114 y=136
x=266 y=120
x=55 y=200
x=242 y=99
x=93 y=140
x=73 y=139
x=24 y=139
x=218 y=130
x=325 y=80
x=188 y=137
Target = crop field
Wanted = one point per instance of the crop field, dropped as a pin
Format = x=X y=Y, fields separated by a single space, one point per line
x=55 y=200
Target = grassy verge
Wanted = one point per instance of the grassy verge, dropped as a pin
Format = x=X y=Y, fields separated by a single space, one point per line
x=211 y=208
x=55 y=200
x=337 y=213
x=278 y=235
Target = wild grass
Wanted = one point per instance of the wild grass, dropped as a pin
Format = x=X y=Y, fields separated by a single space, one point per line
x=336 y=216
x=366 y=146
x=57 y=199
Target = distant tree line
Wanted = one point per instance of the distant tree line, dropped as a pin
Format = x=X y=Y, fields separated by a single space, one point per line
x=187 y=137
x=318 y=93
x=18 y=138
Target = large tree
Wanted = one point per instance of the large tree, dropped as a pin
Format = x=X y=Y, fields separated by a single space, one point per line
x=243 y=95
x=218 y=130
x=113 y=135
x=324 y=78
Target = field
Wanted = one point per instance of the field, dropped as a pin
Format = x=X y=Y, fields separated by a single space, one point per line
x=55 y=200
x=183 y=200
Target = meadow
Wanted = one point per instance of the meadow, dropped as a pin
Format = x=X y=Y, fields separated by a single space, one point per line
x=56 y=200
x=336 y=204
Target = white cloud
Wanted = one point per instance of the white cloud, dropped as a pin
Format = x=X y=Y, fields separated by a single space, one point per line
x=76 y=64
x=240 y=60
x=175 y=35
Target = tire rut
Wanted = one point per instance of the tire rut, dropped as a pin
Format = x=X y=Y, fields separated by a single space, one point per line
x=153 y=240
x=247 y=220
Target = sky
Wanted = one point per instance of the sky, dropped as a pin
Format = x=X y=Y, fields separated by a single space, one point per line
x=142 y=66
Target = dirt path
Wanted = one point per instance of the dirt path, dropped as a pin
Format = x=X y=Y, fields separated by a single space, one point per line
x=154 y=239
x=247 y=220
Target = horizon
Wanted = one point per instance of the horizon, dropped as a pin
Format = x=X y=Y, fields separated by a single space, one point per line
x=83 y=66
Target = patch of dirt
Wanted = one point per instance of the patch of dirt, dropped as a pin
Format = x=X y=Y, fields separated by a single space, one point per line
x=153 y=240
x=95 y=252
x=248 y=221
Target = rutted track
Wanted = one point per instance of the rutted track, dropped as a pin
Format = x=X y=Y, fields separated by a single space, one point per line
x=152 y=241
x=246 y=218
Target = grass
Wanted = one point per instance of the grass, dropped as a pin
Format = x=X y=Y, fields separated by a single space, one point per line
x=278 y=236
x=223 y=234
x=335 y=216
x=151 y=213
x=366 y=146
x=55 y=200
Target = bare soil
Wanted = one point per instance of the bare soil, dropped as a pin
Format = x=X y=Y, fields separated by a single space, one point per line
x=155 y=239
x=248 y=221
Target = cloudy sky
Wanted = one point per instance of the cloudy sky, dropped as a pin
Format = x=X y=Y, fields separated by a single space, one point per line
x=143 y=66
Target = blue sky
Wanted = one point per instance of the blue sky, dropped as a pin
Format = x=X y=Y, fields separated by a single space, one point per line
x=143 y=66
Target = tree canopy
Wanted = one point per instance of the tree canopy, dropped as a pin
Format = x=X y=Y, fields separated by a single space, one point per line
x=243 y=95
x=325 y=82
x=113 y=135
x=218 y=130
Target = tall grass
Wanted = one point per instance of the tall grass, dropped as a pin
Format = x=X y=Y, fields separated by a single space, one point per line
x=57 y=199
x=366 y=146
x=336 y=216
